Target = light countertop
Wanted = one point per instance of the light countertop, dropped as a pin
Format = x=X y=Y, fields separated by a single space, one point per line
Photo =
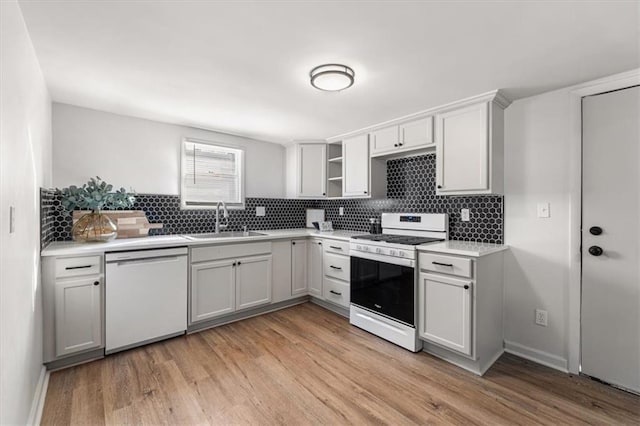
x=72 y=248
x=463 y=248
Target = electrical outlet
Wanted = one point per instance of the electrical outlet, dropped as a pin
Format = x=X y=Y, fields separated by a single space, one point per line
x=544 y=210
x=465 y=215
x=541 y=317
x=341 y=211
x=260 y=211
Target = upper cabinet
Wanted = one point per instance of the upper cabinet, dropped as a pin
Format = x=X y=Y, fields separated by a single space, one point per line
x=307 y=170
x=402 y=138
x=469 y=149
x=362 y=176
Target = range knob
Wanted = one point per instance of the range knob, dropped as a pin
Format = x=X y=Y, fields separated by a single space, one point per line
x=393 y=253
x=401 y=253
x=365 y=248
x=378 y=250
x=358 y=247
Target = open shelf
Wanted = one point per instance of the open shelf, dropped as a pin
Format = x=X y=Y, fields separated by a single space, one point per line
x=335 y=160
x=332 y=179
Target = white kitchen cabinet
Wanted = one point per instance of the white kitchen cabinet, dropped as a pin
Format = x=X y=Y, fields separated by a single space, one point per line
x=445 y=307
x=460 y=307
x=78 y=314
x=212 y=289
x=362 y=176
x=307 y=171
x=384 y=140
x=281 y=271
x=314 y=267
x=299 y=267
x=402 y=138
x=253 y=281
x=469 y=150
x=336 y=275
x=416 y=134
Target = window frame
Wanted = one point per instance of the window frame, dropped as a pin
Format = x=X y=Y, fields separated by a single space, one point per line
x=212 y=206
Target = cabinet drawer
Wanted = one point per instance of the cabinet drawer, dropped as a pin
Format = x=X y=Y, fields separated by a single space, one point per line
x=335 y=246
x=337 y=266
x=227 y=251
x=452 y=265
x=77 y=266
x=336 y=291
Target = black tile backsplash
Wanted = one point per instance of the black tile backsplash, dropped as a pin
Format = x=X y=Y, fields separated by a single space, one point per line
x=410 y=188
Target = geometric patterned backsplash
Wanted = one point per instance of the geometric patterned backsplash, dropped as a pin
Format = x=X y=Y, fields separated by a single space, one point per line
x=410 y=188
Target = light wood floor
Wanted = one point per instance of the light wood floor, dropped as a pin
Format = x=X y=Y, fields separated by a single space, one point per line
x=306 y=365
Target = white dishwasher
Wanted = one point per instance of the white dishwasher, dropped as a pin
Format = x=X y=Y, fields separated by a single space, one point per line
x=146 y=297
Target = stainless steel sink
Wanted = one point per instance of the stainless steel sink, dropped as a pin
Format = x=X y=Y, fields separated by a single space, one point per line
x=214 y=236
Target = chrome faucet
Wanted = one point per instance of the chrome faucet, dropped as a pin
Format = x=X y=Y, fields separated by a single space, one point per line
x=225 y=214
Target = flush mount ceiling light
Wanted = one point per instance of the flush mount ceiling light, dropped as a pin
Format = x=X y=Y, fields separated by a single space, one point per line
x=332 y=77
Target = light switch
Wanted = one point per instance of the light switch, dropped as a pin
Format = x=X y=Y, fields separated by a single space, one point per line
x=260 y=211
x=341 y=211
x=464 y=213
x=544 y=210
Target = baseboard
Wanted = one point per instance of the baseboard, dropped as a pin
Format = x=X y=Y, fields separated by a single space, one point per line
x=544 y=358
x=35 y=414
x=331 y=307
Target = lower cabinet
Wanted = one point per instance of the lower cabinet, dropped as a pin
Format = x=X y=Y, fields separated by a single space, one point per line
x=281 y=271
x=445 y=311
x=336 y=275
x=78 y=314
x=299 y=277
x=314 y=267
x=223 y=286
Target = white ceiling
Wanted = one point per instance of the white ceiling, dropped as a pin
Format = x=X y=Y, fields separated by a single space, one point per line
x=242 y=67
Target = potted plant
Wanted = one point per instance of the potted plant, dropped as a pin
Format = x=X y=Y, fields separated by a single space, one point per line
x=95 y=195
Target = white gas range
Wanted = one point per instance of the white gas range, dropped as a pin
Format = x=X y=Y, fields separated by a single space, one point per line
x=383 y=275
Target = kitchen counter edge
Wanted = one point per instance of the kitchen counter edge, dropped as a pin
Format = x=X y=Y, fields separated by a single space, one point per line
x=463 y=248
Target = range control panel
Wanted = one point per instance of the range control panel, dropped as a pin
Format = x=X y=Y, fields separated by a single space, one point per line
x=383 y=251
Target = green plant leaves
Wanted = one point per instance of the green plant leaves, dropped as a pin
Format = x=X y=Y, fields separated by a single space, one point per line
x=96 y=194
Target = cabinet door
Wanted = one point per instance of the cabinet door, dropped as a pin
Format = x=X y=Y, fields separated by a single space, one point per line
x=298 y=267
x=212 y=289
x=445 y=312
x=78 y=314
x=462 y=150
x=253 y=281
x=314 y=265
x=384 y=140
x=312 y=167
x=281 y=271
x=355 y=167
x=417 y=133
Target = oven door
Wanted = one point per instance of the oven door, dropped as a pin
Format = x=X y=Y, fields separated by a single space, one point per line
x=383 y=287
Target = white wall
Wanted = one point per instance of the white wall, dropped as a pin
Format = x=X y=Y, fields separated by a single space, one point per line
x=537 y=169
x=145 y=155
x=25 y=163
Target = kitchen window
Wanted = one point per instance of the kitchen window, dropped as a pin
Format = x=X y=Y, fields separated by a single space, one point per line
x=211 y=173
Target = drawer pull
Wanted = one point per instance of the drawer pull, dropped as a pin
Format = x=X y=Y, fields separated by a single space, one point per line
x=68 y=268
x=335 y=247
x=466 y=287
x=335 y=267
x=335 y=292
x=96 y=283
x=450 y=265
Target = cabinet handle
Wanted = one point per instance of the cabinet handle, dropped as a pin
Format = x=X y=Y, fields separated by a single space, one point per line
x=293 y=243
x=68 y=268
x=450 y=265
x=335 y=248
x=395 y=144
x=335 y=292
x=239 y=263
x=400 y=144
x=96 y=283
x=439 y=186
x=466 y=287
x=324 y=193
x=319 y=243
x=365 y=192
x=233 y=264
x=335 y=267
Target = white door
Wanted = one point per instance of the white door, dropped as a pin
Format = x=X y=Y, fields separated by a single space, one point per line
x=312 y=169
x=213 y=291
x=445 y=312
x=355 y=166
x=253 y=281
x=314 y=265
x=298 y=267
x=78 y=315
x=384 y=140
x=418 y=133
x=462 y=149
x=610 y=272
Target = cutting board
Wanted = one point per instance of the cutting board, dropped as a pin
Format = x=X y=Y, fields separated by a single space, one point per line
x=314 y=215
x=130 y=223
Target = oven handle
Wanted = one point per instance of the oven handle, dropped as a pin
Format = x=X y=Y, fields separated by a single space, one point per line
x=385 y=259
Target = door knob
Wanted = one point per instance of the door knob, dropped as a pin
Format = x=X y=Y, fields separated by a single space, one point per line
x=595 y=230
x=595 y=251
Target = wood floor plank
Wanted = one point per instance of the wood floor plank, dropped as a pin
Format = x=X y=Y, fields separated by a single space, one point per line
x=306 y=365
